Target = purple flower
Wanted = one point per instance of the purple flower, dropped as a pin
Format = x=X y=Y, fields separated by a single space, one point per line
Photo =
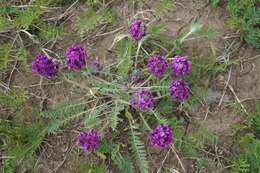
x=89 y=140
x=181 y=65
x=161 y=136
x=76 y=57
x=135 y=76
x=137 y=29
x=179 y=90
x=157 y=65
x=44 y=66
x=143 y=99
x=97 y=65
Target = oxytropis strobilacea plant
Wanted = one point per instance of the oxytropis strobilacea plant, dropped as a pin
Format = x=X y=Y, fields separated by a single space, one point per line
x=131 y=89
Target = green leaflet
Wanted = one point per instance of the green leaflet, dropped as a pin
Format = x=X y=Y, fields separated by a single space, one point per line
x=124 y=67
x=157 y=29
x=22 y=55
x=13 y=98
x=93 y=117
x=124 y=52
x=26 y=17
x=51 y=32
x=61 y=114
x=121 y=160
x=4 y=54
x=138 y=149
x=90 y=18
x=113 y=116
x=4 y=23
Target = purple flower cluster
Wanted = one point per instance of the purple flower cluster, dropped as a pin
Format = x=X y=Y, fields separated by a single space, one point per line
x=44 y=66
x=161 y=136
x=143 y=99
x=181 y=65
x=76 y=57
x=76 y=60
x=179 y=90
x=157 y=65
x=89 y=140
x=137 y=29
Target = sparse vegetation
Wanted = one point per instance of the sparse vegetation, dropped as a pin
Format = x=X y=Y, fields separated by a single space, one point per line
x=133 y=105
x=245 y=15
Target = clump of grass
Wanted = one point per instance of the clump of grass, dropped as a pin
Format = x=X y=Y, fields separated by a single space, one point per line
x=13 y=98
x=214 y=2
x=19 y=139
x=245 y=16
x=247 y=160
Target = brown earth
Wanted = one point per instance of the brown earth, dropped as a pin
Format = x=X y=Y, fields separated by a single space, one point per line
x=57 y=153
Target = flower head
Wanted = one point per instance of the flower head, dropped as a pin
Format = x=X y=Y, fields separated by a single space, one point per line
x=157 y=65
x=179 y=90
x=143 y=99
x=181 y=65
x=161 y=136
x=76 y=57
x=97 y=65
x=44 y=66
x=135 y=76
x=89 y=140
x=137 y=29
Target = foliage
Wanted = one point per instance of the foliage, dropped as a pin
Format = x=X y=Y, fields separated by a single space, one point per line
x=198 y=140
x=138 y=149
x=4 y=54
x=19 y=139
x=122 y=161
x=245 y=16
x=63 y=113
x=163 y=7
x=90 y=18
x=214 y=2
x=113 y=116
x=157 y=29
x=13 y=98
x=248 y=159
x=124 y=52
x=103 y=95
x=51 y=32
x=4 y=23
x=203 y=163
x=93 y=118
x=19 y=142
x=22 y=55
x=90 y=167
x=26 y=17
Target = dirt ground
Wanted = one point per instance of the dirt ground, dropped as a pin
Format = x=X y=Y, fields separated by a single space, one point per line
x=56 y=154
